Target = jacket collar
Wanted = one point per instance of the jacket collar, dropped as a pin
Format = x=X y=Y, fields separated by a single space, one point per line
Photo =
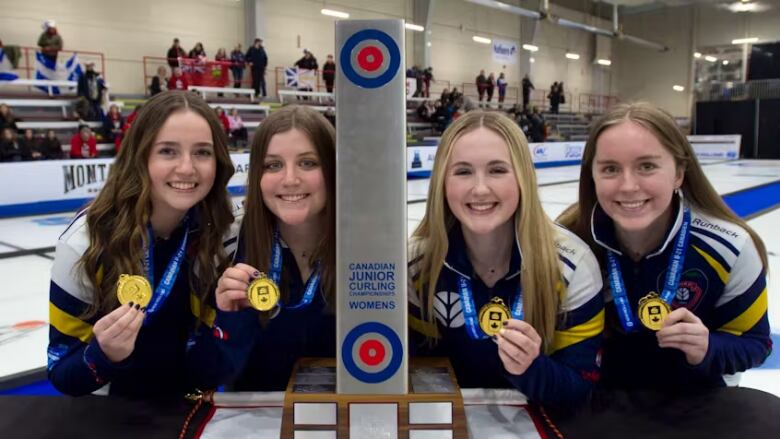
x=603 y=229
x=457 y=259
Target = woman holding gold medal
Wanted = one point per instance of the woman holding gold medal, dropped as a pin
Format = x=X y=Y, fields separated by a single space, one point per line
x=284 y=265
x=687 y=276
x=512 y=299
x=132 y=271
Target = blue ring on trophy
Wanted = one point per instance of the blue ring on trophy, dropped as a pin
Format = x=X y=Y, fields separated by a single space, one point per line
x=391 y=47
x=396 y=354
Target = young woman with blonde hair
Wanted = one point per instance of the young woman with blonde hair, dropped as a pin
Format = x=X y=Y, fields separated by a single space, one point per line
x=287 y=239
x=688 y=301
x=154 y=236
x=512 y=299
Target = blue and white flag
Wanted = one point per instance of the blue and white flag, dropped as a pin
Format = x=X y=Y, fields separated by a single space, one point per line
x=46 y=68
x=6 y=69
x=291 y=77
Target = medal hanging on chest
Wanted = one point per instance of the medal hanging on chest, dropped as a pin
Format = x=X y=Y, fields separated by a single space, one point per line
x=492 y=316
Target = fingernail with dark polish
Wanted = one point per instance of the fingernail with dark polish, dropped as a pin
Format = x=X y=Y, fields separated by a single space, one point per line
x=130 y=304
x=137 y=306
x=143 y=309
x=505 y=322
x=256 y=274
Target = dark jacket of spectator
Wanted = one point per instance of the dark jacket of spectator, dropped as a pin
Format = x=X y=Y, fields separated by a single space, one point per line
x=307 y=62
x=7 y=119
x=51 y=148
x=12 y=150
x=258 y=58
x=174 y=53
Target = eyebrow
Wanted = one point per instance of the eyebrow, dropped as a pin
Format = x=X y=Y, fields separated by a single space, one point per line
x=644 y=157
x=174 y=143
x=303 y=154
x=490 y=163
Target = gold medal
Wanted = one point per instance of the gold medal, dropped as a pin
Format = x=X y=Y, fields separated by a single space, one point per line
x=133 y=288
x=652 y=311
x=492 y=316
x=263 y=293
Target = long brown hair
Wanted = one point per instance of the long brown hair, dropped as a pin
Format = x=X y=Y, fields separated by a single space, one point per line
x=540 y=277
x=698 y=190
x=259 y=222
x=117 y=219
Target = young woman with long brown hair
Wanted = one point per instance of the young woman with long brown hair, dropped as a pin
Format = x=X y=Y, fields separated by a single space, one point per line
x=687 y=303
x=160 y=220
x=287 y=237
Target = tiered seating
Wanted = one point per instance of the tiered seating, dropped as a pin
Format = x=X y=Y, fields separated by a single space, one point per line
x=570 y=126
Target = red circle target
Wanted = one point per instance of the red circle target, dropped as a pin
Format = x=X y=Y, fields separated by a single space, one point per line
x=372 y=352
x=370 y=58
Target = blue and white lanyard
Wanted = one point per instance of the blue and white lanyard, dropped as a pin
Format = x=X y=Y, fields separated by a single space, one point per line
x=163 y=289
x=676 y=263
x=470 y=312
x=275 y=273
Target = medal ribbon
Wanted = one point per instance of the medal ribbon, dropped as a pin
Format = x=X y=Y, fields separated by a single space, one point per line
x=470 y=312
x=163 y=289
x=676 y=263
x=275 y=273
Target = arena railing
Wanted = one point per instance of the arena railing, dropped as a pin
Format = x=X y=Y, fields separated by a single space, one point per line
x=26 y=67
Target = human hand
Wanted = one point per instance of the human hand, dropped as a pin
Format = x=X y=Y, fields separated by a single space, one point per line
x=117 y=331
x=683 y=330
x=232 y=287
x=518 y=346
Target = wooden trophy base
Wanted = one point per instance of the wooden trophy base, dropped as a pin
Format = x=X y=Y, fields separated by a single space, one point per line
x=433 y=408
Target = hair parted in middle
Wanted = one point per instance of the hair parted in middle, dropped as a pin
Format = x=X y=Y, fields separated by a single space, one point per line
x=118 y=217
x=540 y=273
x=259 y=222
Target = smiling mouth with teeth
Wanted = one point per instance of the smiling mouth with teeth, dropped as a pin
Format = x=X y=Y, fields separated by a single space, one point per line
x=480 y=207
x=293 y=198
x=632 y=204
x=182 y=185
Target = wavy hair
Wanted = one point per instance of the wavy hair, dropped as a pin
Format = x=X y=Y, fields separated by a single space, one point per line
x=540 y=273
x=259 y=222
x=698 y=190
x=118 y=217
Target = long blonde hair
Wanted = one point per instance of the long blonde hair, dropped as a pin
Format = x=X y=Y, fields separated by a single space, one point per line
x=698 y=190
x=259 y=221
x=117 y=219
x=540 y=274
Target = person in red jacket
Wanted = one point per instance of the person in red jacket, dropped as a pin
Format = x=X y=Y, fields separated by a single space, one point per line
x=83 y=144
x=223 y=118
x=177 y=81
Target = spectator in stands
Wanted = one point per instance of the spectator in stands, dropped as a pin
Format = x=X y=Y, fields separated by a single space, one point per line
x=131 y=118
x=419 y=81
x=197 y=52
x=427 y=78
x=562 y=95
x=237 y=67
x=525 y=124
x=555 y=98
x=30 y=143
x=258 y=61
x=113 y=124
x=455 y=96
x=442 y=116
x=426 y=111
x=83 y=144
x=177 y=81
x=501 y=83
x=537 y=126
x=159 y=81
x=174 y=53
x=221 y=55
x=223 y=119
x=307 y=62
x=90 y=92
x=329 y=73
x=50 y=41
x=237 y=130
x=527 y=87
x=51 y=147
x=11 y=150
x=445 y=96
x=7 y=118
x=482 y=83
x=491 y=86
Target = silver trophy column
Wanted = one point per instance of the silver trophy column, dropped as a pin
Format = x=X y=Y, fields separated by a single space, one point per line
x=371 y=208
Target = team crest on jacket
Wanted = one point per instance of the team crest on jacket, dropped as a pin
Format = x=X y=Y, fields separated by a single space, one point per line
x=448 y=310
x=692 y=287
